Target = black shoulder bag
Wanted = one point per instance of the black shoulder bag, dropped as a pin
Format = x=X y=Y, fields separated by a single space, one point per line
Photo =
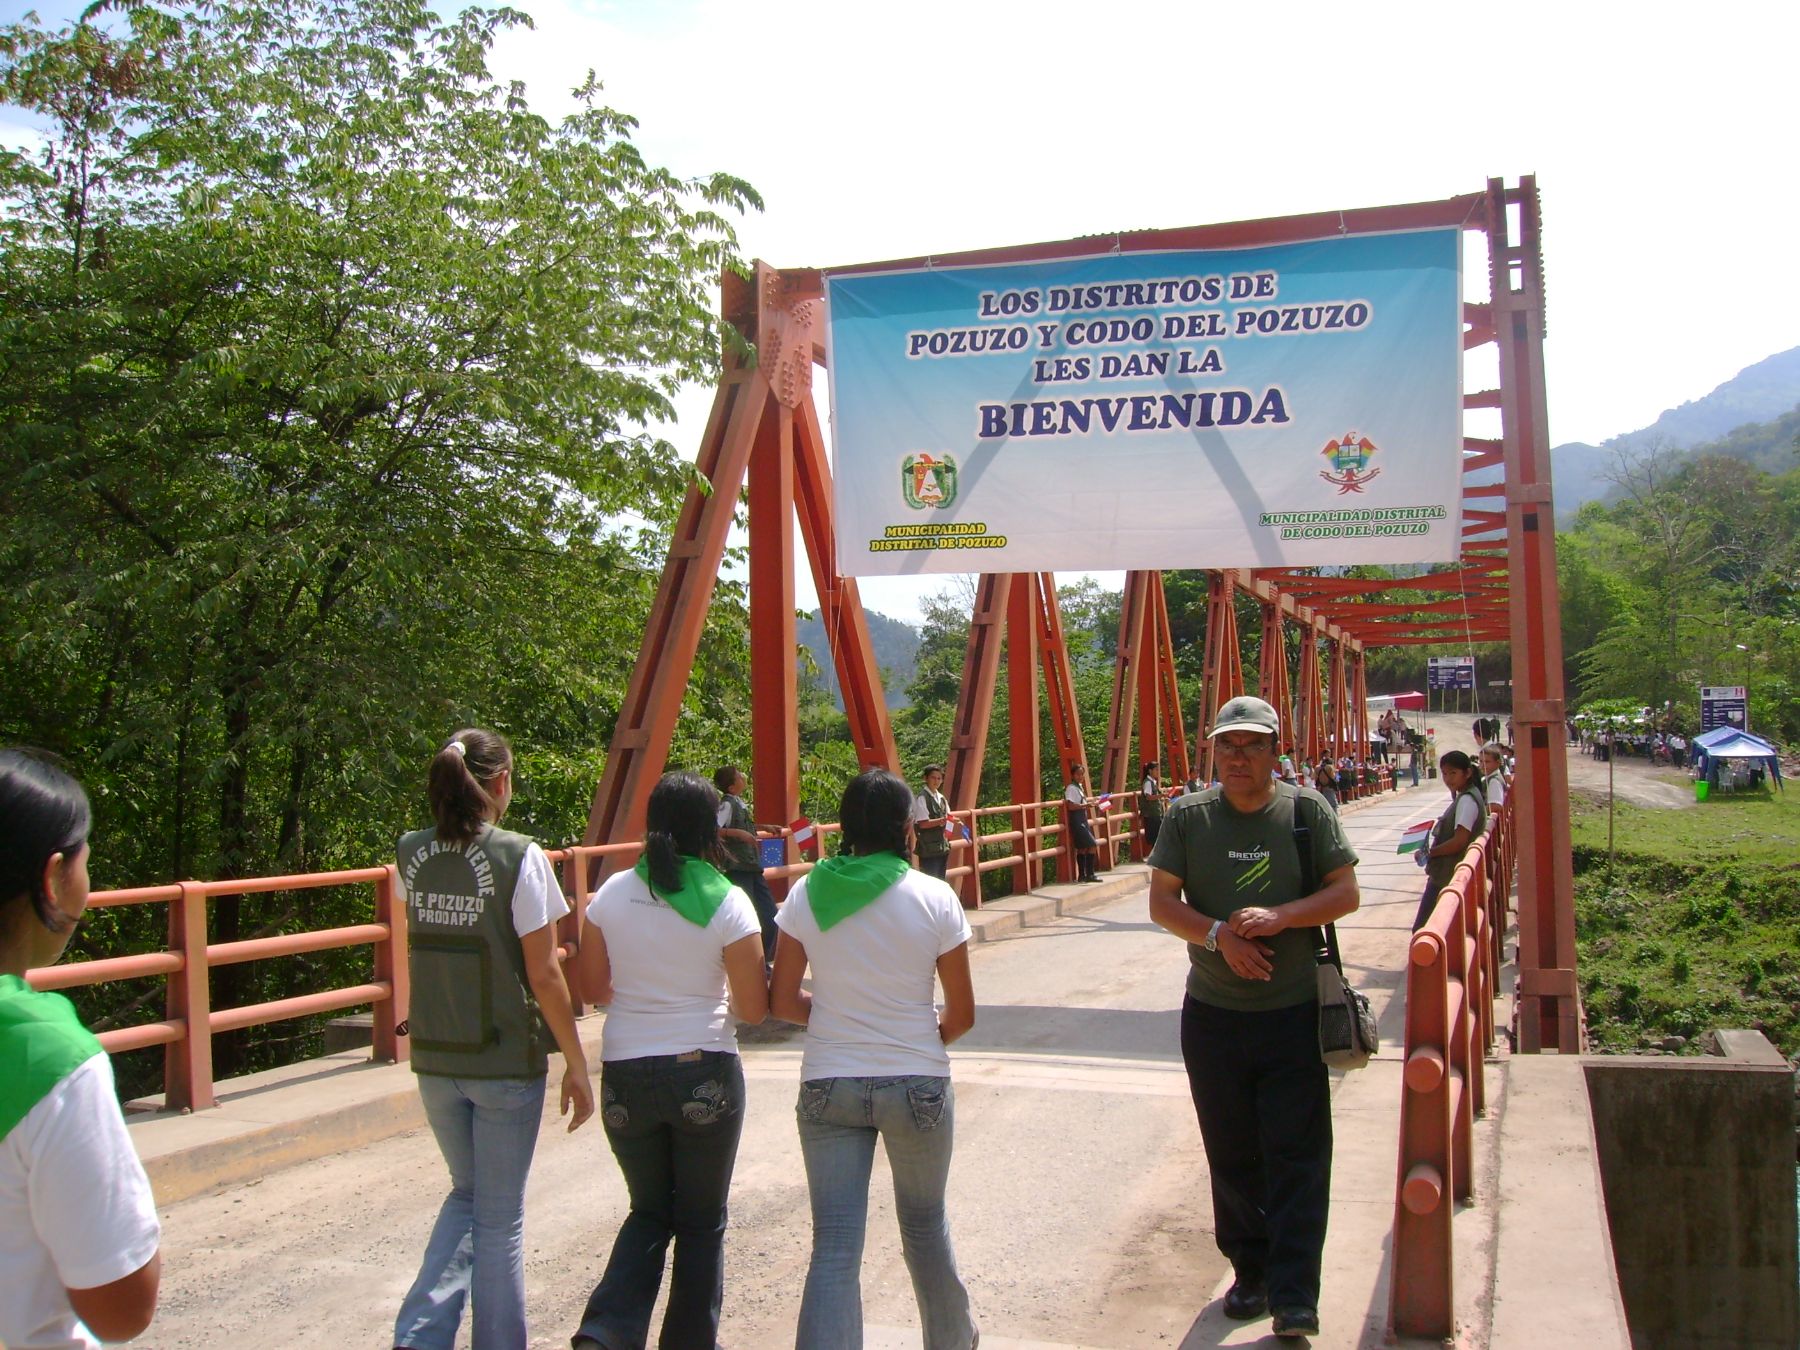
x=1347 y=1035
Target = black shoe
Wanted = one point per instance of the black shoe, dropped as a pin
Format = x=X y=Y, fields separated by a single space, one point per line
x=1246 y=1299
x=1295 y=1322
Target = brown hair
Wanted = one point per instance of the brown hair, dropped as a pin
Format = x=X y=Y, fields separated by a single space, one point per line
x=459 y=781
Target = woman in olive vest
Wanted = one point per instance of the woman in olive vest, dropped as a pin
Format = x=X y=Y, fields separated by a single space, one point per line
x=674 y=948
x=1459 y=826
x=931 y=817
x=78 y=1229
x=487 y=999
x=1075 y=820
x=1150 y=805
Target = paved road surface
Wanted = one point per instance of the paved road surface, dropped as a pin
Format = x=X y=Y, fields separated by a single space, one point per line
x=1079 y=1197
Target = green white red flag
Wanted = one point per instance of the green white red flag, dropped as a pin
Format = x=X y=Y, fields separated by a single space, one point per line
x=1415 y=837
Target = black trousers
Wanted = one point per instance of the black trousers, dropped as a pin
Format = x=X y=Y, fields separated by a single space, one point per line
x=934 y=864
x=1263 y=1097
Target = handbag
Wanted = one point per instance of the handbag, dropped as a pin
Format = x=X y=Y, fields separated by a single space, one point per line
x=1347 y=1033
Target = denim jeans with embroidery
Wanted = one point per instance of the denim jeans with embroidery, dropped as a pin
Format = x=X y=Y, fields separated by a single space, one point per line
x=840 y=1120
x=673 y=1122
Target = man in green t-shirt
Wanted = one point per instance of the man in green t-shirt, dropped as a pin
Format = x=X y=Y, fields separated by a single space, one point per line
x=1227 y=876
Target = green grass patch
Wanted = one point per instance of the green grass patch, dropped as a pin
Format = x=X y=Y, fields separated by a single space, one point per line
x=1695 y=924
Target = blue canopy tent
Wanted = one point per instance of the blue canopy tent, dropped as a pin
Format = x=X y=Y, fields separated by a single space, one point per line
x=1729 y=743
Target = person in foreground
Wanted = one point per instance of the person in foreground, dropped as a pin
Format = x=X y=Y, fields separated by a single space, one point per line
x=674 y=948
x=1228 y=876
x=79 y=1260
x=481 y=908
x=878 y=935
x=1459 y=826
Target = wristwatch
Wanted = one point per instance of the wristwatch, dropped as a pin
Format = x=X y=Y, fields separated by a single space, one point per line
x=1212 y=935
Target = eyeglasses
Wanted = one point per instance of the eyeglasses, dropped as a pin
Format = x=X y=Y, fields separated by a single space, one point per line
x=1239 y=749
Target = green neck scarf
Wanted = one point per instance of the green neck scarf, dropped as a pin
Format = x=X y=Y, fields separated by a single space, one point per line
x=703 y=889
x=840 y=886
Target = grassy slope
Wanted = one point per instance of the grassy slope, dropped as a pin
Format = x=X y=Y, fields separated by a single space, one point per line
x=1697 y=925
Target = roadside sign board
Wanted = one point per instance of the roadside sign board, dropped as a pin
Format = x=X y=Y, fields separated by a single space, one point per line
x=1724 y=705
x=1449 y=672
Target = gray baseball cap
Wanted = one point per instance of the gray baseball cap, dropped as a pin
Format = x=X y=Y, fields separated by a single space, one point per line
x=1245 y=713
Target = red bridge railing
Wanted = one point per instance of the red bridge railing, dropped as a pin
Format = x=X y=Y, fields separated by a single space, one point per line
x=1452 y=978
x=1029 y=833
x=190 y=1022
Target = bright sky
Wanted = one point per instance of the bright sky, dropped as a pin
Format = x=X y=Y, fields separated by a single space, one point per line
x=876 y=131
x=1656 y=131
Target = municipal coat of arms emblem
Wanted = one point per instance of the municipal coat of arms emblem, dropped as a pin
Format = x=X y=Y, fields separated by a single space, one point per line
x=1349 y=457
x=928 y=480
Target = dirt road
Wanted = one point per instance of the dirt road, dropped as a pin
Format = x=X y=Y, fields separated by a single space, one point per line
x=1079 y=1199
x=1632 y=779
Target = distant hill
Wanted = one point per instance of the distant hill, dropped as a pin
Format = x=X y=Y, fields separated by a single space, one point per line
x=896 y=652
x=1764 y=393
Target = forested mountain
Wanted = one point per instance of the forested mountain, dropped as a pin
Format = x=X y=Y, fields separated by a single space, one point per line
x=1763 y=393
x=896 y=646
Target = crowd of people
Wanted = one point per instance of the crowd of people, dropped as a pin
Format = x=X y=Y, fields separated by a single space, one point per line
x=682 y=948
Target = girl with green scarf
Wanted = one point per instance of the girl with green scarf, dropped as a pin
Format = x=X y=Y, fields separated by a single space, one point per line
x=675 y=949
x=79 y=1238
x=880 y=938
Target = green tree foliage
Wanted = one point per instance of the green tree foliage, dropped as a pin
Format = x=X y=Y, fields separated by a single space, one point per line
x=324 y=368
x=1692 y=577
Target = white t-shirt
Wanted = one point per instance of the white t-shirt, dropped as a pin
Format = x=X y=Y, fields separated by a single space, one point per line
x=1494 y=788
x=75 y=1209
x=538 y=900
x=1467 y=815
x=669 y=990
x=1074 y=795
x=922 y=807
x=874 y=978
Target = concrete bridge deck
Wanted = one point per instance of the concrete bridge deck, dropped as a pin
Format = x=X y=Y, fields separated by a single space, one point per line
x=295 y=1213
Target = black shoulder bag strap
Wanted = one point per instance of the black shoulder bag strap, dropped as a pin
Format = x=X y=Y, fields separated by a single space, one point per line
x=1325 y=945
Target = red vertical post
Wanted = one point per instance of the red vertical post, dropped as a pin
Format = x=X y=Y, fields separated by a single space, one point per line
x=1150 y=713
x=1059 y=681
x=1134 y=605
x=1340 y=727
x=188 y=1062
x=1224 y=676
x=774 y=729
x=391 y=969
x=1549 y=1007
x=840 y=601
x=1027 y=762
x=1421 y=1299
x=1312 y=719
x=975 y=706
x=1174 y=734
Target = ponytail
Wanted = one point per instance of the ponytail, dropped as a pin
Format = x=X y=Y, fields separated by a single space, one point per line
x=664 y=860
x=460 y=782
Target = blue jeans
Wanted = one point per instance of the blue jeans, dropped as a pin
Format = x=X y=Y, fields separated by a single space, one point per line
x=840 y=1119
x=487 y=1129
x=673 y=1122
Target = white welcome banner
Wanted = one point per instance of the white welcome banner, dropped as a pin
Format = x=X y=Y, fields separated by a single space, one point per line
x=1293 y=405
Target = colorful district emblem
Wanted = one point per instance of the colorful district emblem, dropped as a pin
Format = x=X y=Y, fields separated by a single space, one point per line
x=927 y=481
x=1349 y=457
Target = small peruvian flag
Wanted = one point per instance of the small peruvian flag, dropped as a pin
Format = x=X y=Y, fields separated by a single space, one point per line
x=1105 y=803
x=1415 y=837
x=806 y=838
